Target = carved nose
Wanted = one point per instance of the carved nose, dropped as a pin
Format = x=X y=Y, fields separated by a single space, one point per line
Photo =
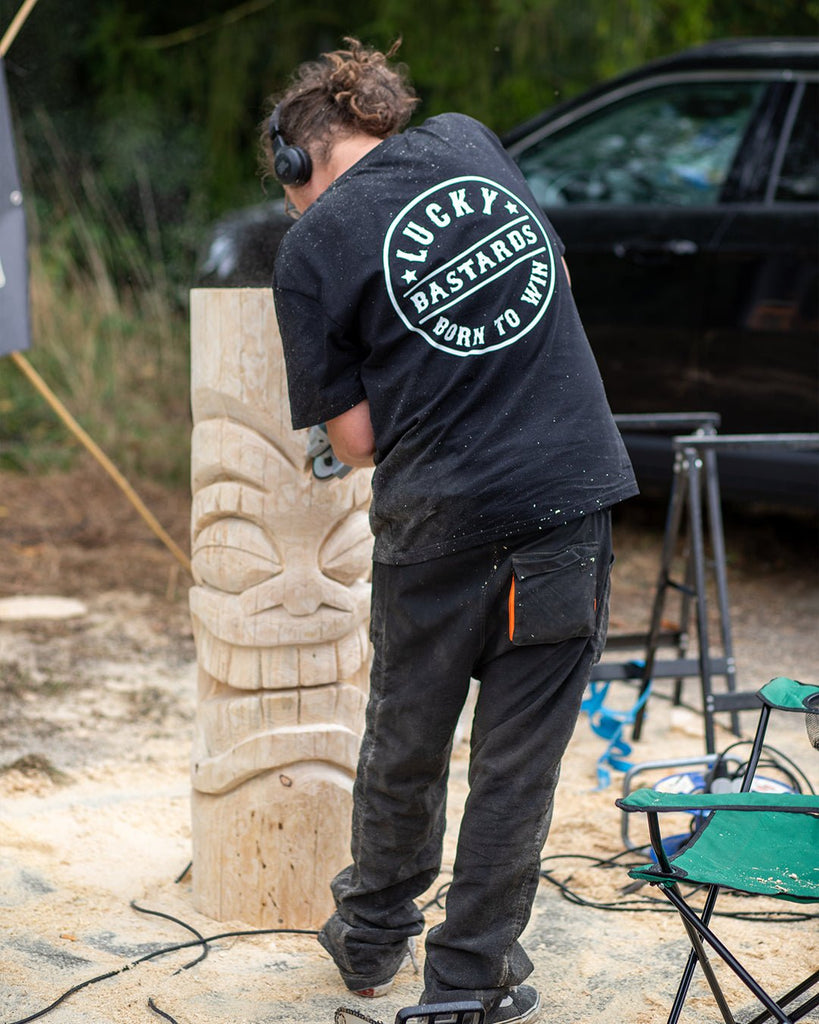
x=302 y=594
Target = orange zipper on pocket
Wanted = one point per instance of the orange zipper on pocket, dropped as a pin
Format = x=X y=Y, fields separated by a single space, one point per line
x=512 y=608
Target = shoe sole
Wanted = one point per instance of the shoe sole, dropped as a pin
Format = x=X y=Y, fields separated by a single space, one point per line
x=525 y=1018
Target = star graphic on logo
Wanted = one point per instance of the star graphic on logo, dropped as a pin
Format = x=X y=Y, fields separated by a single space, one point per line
x=511 y=207
x=409 y=276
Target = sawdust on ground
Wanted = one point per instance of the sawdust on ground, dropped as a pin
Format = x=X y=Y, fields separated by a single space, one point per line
x=94 y=789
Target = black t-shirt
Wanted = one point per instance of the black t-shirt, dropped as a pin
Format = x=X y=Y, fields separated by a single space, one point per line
x=427 y=280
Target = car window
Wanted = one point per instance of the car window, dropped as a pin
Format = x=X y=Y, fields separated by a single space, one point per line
x=671 y=145
x=799 y=175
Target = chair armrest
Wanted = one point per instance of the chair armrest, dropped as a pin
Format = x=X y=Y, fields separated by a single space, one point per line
x=651 y=800
x=790 y=695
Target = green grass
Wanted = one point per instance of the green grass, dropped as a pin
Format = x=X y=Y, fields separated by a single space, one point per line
x=117 y=357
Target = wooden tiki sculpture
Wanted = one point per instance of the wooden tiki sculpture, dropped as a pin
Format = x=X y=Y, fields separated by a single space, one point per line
x=280 y=608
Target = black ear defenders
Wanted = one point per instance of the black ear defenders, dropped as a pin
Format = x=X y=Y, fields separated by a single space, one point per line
x=291 y=164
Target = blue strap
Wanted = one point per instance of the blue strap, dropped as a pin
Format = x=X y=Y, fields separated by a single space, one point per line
x=609 y=724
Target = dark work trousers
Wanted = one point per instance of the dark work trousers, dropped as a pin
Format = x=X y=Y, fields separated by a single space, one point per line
x=434 y=626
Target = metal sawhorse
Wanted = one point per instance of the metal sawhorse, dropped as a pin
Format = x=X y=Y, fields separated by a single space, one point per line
x=695 y=491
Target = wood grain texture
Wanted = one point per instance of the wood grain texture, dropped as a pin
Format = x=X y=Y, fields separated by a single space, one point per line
x=280 y=607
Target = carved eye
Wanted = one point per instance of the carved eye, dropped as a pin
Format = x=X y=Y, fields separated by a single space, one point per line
x=347 y=553
x=233 y=555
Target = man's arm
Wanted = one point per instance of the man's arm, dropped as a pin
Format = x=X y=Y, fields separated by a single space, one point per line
x=351 y=435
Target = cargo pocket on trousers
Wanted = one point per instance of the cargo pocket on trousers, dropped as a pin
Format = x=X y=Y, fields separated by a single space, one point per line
x=553 y=595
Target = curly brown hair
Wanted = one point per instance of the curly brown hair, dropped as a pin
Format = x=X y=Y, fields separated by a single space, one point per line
x=342 y=93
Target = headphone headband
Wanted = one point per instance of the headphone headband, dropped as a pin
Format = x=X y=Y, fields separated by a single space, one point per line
x=291 y=164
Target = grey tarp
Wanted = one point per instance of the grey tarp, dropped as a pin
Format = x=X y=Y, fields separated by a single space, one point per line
x=14 y=311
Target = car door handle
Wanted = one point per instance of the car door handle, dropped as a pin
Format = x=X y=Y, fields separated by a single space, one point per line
x=650 y=250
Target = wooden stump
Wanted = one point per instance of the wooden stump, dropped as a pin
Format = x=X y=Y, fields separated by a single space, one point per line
x=280 y=608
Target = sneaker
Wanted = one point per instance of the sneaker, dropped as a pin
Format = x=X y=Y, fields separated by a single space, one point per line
x=518 y=1005
x=375 y=991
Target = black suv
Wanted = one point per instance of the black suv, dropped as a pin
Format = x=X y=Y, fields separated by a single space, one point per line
x=687 y=195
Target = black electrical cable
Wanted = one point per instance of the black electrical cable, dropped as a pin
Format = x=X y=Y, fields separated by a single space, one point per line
x=789 y=768
x=655 y=904
x=159 y=952
x=644 y=904
x=161 y=1013
x=169 y=917
x=65 y=995
x=182 y=874
x=438 y=900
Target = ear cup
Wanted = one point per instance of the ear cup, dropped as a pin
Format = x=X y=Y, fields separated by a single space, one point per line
x=291 y=164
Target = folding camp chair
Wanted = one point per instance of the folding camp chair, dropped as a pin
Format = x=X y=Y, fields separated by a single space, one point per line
x=752 y=842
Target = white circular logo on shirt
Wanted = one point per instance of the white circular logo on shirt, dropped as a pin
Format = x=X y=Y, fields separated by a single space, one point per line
x=468 y=266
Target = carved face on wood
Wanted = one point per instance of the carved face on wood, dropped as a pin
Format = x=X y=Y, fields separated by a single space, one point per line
x=281 y=560
x=280 y=607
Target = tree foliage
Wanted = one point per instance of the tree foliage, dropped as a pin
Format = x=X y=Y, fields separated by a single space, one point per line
x=161 y=102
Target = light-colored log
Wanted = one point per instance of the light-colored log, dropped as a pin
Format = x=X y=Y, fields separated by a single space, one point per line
x=280 y=606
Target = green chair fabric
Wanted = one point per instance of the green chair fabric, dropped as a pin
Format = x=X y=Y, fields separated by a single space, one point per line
x=759 y=843
x=769 y=867
x=790 y=695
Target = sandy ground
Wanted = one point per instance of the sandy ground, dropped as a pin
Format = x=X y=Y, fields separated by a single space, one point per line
x=94 y=791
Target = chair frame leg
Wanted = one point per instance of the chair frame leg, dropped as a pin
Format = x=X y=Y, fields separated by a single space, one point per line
x=800 y=1011
x=698 y=952
x=691 y=918
x=699 y=955
x=697 y=925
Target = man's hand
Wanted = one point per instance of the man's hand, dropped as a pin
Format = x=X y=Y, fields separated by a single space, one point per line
x=351 y=435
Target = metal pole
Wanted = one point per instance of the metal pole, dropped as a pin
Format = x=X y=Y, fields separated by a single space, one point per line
x=17 y=23
x=90 y=444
